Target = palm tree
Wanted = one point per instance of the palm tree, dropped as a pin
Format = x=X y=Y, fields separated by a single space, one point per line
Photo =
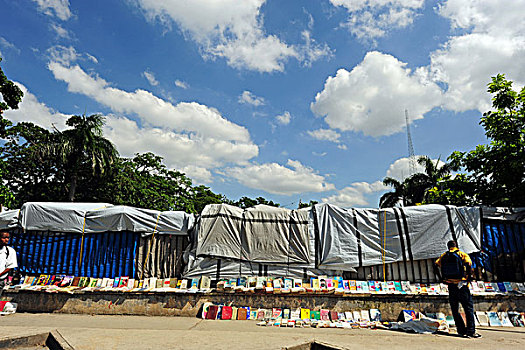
x=83 y=144
x=414 y=189
x=390 y=199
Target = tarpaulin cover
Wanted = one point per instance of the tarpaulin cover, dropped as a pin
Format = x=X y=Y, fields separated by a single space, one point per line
x=9 y=219
x=58 y=217
x=275 y=235
x=207 y=266
x=146 y=221
x=366 y=237
x=343 y=234
x=500 y=213
x=102 y=217
x=260 y=234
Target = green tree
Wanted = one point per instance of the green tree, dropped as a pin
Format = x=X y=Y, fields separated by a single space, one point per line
x=306 y=205
x=28 y=176
x=204 y=196
x=145 y=182
x=11 y=95
x=247 y=202
x=398 y=195
x=82 y=144
x=497 y=169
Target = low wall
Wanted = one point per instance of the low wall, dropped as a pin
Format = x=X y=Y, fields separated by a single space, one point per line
x=189 y=304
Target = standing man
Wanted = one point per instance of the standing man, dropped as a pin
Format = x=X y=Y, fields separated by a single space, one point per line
x=7 y=259
x=456 y=272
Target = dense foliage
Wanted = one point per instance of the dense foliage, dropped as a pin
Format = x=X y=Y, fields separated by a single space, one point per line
x=494 y=173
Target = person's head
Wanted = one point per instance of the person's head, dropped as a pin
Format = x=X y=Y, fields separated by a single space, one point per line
x=4 y=238
x=451 y=244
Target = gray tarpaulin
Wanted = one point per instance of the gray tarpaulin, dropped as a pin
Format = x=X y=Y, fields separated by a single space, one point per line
x=145 y=221
x=260 y=234
x=60 y=217
x=219 y=231
x=9 y=219
x=275 y=235
x=366 y=237
x=499 y=213
x=101 y=217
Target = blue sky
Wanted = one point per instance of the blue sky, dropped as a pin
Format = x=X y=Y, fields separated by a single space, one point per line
x=287 y=100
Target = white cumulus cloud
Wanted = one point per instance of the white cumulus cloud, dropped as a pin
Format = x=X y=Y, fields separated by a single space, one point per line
x=372 y=97
x=278 y=179
x=233 y=30
x=181 y=84
x=185 y=134
x=493 y=42
x=249 y=98
x=55 y=8
x=31 y=110
x=150 y=77
x=325 y=135
x=372 y=19
x=284 y=119
x=355 y=194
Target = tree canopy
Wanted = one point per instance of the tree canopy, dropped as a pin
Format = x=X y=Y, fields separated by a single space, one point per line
x=496 y=171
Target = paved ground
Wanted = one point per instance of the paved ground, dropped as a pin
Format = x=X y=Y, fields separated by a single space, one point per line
x=133 y=332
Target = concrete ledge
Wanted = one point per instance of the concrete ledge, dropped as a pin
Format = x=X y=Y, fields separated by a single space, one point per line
x=189 y=304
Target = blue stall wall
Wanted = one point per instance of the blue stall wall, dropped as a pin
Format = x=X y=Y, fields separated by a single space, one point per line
x=109 y=254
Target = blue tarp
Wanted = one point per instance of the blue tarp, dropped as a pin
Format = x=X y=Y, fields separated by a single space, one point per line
x=108 y=254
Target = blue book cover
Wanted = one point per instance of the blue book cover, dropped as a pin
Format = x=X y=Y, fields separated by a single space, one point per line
x=493 y=318
x=501 y=287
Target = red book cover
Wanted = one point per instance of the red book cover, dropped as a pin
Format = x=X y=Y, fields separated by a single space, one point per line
x=226 y=313
x=212 y=312
x=334 y=316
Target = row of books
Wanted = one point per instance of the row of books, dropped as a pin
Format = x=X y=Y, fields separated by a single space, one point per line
x=482 y=318
x=64 y=283
x=299 y=317
x=277 y=285
x=339 y=286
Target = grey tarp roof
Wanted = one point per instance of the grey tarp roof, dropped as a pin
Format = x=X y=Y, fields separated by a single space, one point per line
x=499 y=213
x=95 y=217
x=55 y=216
x=261 y=234
x=359 y=237
x=146 y=221
x=9 y=219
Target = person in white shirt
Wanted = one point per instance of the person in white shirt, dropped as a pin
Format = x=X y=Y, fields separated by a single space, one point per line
x=7 y=259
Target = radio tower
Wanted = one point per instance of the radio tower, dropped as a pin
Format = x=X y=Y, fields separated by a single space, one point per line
x=411 y=156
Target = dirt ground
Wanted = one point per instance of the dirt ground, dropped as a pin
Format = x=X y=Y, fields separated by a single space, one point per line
x=142 y=332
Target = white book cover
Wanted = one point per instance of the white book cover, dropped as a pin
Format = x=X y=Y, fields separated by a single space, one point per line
x=375 y=315
x=295 y=314
x=482 y=318
x=356 y=315
x=349 y=316
x=365 y=315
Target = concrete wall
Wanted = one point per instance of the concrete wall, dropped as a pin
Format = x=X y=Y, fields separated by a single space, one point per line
x=179 y=304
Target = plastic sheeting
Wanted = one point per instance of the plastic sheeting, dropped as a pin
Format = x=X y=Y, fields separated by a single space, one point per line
x=95 y=218
x=260 y=234
x=58 y=217
x=507 y=214
x=146 y=221
x=366 y=237
x=9 y=219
